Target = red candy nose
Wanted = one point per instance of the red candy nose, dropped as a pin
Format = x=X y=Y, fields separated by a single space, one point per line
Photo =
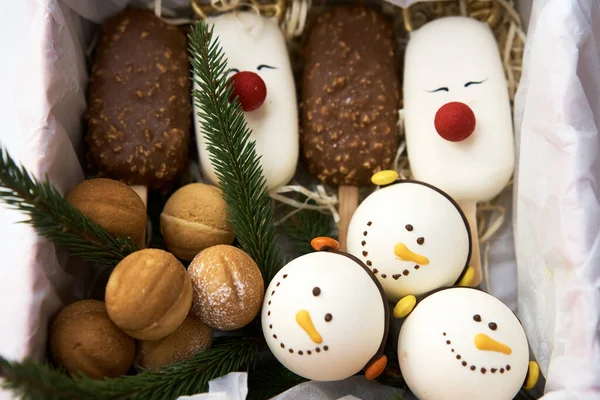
x=250 y=89
x=454 y=121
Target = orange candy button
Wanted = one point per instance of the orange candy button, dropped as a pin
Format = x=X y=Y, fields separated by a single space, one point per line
x=322 y=242
x=376 y=369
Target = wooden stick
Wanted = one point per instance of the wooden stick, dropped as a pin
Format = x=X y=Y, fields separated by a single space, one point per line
x=348 y=203
x=142 y=191
x=470 y=210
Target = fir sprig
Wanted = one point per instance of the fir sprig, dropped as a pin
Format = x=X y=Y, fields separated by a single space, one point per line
x=306 y=225
x=56 y=219
x=232 y=154
x=40 y=382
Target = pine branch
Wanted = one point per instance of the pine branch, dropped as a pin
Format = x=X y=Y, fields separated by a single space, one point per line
x=41 y=382
x=56 y=219
x=232 y=154
x=306 y=225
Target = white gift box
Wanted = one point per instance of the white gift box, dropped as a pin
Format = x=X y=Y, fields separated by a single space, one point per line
x=545 y=264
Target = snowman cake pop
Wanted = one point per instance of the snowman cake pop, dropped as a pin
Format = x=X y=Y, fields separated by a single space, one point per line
x=264 y=84
x=413 y=237
x=324 y=316
x=462 y=343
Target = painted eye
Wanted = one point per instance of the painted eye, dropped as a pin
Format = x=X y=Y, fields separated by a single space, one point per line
x=409 y=227
x=316 y=291
x=233 y=71
x=474 y=83
x=477 y=318
x=421 y=240
x=261 y=66
x=493 y=326
x=441 y=89
x=328 y=317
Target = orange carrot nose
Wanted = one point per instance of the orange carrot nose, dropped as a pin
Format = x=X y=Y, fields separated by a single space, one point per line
x=305 y=322
x=405 y=254
x=484 y=342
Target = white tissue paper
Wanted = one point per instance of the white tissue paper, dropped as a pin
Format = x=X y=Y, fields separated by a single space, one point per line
x=557 y=219
x=43 y=84
x=557 y=223
x=233 y=386
x=43 y=79
x=356 y=387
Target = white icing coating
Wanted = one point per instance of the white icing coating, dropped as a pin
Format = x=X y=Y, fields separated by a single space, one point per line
x=451 y=52
x=249 y=41
x=384 y=216
x=347 y=293
x=432 y=363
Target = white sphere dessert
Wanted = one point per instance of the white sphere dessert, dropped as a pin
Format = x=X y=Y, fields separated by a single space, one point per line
x=324 y=317
x=413 y=236
x=462 y=343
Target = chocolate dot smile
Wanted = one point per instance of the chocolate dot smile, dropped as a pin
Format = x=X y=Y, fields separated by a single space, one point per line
x=316 y=292
x=420 y=259
x=473 y=367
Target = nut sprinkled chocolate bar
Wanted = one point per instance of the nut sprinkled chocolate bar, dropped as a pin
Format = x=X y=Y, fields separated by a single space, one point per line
x=139 y=101
x=351 y=95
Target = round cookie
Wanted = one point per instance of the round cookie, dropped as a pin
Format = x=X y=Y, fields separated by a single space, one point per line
x=325 y=318
x=228 y=287
x=194 y=218
x=149 y=294
x=192 y=336
x=413 y=236
x=84 y=340
x=467 y=340
x=113 y=205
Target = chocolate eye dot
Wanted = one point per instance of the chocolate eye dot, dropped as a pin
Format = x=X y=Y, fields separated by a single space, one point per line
x=493 y=326
x=409 y=227
x=316 y=291
x=328 y=317
x=477 y=318
x=420 y=240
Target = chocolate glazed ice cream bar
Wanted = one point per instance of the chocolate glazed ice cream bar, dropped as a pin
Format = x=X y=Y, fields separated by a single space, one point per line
x=139 y=101
x=350 y=100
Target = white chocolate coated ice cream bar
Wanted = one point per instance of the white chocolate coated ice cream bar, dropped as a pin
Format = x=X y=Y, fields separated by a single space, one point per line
x=255 y=44
x=457 y=113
